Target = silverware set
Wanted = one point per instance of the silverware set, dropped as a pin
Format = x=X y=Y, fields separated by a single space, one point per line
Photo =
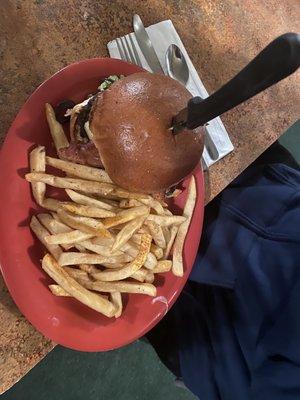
x=127 y=50
x=176 y=65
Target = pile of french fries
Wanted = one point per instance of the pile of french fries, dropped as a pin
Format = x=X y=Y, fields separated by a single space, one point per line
x=105 y=240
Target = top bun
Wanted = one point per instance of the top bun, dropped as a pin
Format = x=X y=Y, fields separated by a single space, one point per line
x=131 y=123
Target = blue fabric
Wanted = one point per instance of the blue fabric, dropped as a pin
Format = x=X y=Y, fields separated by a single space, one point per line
x=238 y=319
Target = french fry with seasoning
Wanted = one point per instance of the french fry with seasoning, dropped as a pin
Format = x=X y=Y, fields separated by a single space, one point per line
x=58 y=291
x=162 y=266
x=77 y=258
x=89 y=201
x=87 y=211
x=127 y=232
x=71 y=286
x=125 y=216
x=84 y=224
x=78 y=170
x=166 y=220
x=157 y=233
x=70 y=183
x=177 y=266
x=41 y=233
x=58 y=135
x=122 y=287
x=157 y=251
x=173 y=233
x=52 y=204
x=37 y=163
x=116 y=299
x=74 y=236
x=129 y=269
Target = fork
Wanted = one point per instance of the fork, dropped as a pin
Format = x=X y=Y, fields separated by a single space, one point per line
x=127 y=49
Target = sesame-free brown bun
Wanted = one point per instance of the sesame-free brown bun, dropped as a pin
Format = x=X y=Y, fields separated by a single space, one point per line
x=130 y=123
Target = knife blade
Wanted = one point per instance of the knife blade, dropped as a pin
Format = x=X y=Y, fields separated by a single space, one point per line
x=145 y=44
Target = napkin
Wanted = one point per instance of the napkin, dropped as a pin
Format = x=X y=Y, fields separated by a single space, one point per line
x=162 y=35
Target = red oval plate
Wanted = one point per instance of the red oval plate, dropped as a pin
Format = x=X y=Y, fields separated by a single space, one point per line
x=64 y=320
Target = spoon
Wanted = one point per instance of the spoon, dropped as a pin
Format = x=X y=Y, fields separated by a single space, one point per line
x=177 y=68
x=275 y=62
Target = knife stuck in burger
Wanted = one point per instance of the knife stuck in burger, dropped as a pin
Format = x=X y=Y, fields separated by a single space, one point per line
x=148 y=127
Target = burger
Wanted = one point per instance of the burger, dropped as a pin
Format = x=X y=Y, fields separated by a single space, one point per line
x=126 y=127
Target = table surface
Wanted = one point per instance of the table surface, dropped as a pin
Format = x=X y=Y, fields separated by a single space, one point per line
x=39 y=37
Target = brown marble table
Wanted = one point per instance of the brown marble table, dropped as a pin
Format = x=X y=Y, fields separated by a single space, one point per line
x=39 y=37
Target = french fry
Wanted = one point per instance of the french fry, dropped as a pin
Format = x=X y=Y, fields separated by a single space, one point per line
x=37 y=164
x=55 y=216
x=177 y=266
x=119 y=193
x=122 y=287
x=131 y=268
x=41 y=233
x=125 y=233
x=125 y=216
x=76 y=258
x=128 y=203
x=132 y=250
x=82 y=276
x=160 y=198
x=166 y=220
x=157 y=251
x=58 y=291
x=54 y=226
x=105 y=199
x=101 y=250
x=113 y=265
x=149 y=277
x=78 y=170
x=173 y=233
x=84 y=224
x=87 y=211
x=58 y=135
x=52 y=204
x=162 y=266
x=152 y=203
x=116 y=299
x=151 y=261
x=157 y=233
x=103 y=241
x=139 y=275
x=144 y=229
x=166 y=233
x=71 y=286
x=88 y=201
x=70 y=183
x=89 y=268
x=77 y=273
x=174 y=193
x=136 y=238
x=143 y=275
x=79 y=247
x=74 y=236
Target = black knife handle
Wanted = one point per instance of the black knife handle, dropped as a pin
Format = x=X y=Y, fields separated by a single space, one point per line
x=275 y=62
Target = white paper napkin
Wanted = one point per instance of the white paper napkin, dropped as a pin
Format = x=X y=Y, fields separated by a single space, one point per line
x=162 y=35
